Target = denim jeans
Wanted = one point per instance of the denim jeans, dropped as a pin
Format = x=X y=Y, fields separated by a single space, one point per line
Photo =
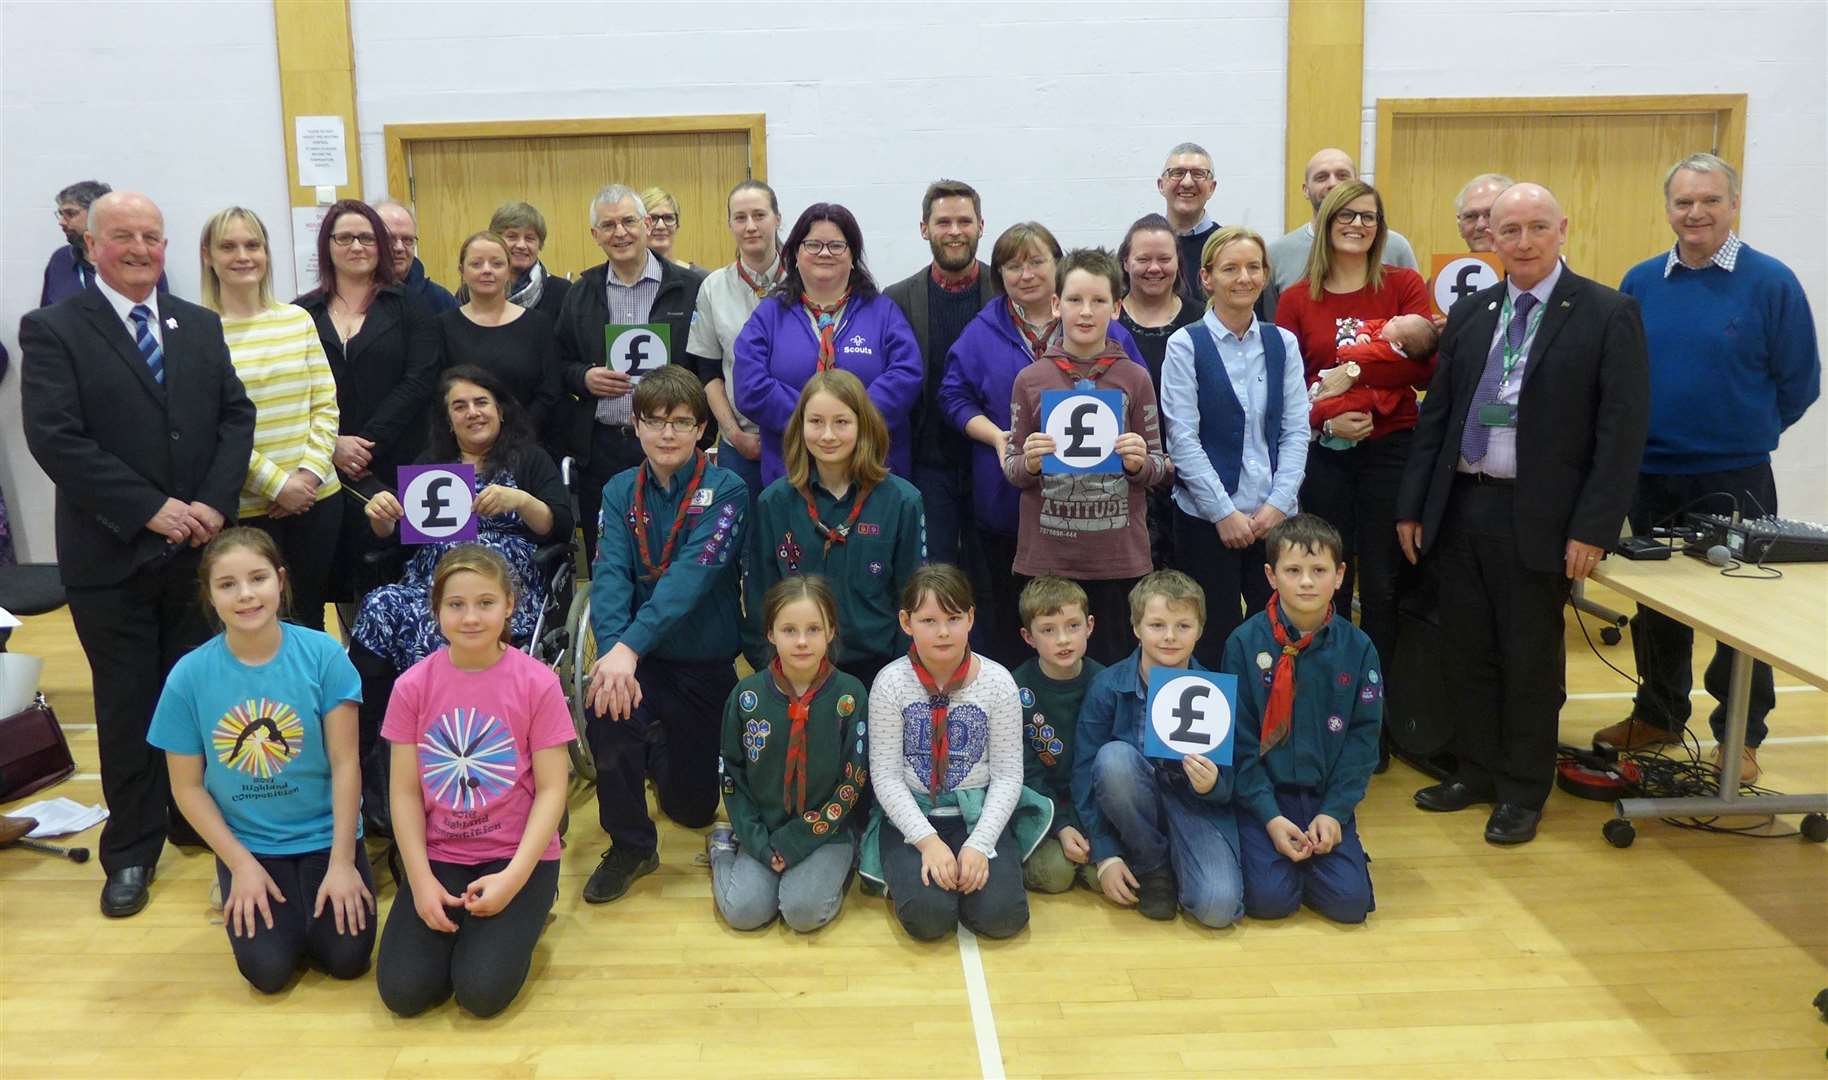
x=1162 y=825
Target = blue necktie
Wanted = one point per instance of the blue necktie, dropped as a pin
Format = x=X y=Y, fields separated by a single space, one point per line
x=1477 y=436
x=150 y=349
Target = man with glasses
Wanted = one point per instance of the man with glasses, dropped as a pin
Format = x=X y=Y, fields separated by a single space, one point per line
x=1288 y=256
x=1186 y=185
x=1473 y=209
x=403 y=232
x=650 y=300
x=69 y=271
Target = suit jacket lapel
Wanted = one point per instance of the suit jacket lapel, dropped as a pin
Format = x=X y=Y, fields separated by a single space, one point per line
x=1561 y=308
x=380 y=319
x=106 y=323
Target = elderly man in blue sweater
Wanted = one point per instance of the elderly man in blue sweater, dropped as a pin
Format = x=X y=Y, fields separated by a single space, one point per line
x=1733 y=363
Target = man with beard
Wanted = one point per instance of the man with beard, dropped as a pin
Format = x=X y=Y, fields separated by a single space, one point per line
x=938 y=300
x=1288 y=256
x=69 y=271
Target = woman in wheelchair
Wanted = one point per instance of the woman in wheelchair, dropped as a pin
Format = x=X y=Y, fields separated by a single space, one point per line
x=521 y=503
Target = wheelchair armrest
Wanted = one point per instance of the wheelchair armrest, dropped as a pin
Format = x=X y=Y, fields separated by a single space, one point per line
x=550 y=557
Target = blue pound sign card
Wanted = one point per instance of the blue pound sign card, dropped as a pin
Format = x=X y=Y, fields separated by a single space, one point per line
x=1084 y=425
x=1190 y=712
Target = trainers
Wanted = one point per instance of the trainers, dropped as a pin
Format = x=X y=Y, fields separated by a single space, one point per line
x=616 y=873
x=1155 y=894
x=721 y=838
x=1634 y=734
x=1748 y=763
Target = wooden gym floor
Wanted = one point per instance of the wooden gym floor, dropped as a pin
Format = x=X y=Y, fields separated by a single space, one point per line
x=1687 y=954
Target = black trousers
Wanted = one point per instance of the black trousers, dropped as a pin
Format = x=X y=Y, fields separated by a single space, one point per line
x=133 y=633
x=928 y=912
x=1355 y=490
x=1232 y=579
x=996 y=631
x=1506 y=662
x=307 y=542
x=674 y=735
x=374 y=753
x=270 y=958
x=1108 y=603
x=613 y=448
x=1664 y=647
x=485 y=963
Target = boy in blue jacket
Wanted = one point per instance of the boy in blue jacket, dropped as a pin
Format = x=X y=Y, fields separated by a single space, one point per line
x=1160 y=832
x=664 y=605
x=1310 y=703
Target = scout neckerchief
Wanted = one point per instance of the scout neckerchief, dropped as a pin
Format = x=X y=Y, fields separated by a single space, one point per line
x=969 y=281
x=799 y=708
x=940 y=702
x=825 y=316
x=653 y=572
x=842 y=532
x=1037 y=338
x=760 y=285
x=1279 y=711
x=1069 y=366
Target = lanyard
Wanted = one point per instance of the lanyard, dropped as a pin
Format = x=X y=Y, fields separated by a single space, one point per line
x=1514 y=357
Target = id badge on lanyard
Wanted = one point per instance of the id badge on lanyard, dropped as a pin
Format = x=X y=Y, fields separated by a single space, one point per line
x=1503 y=414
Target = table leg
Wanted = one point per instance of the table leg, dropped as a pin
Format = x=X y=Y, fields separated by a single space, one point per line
x=1738 y=711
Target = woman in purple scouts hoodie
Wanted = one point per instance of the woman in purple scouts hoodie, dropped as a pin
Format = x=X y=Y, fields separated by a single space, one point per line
x=826 y=313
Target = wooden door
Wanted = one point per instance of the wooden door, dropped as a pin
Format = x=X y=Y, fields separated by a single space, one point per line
x=1603 y=157
x=456 y=175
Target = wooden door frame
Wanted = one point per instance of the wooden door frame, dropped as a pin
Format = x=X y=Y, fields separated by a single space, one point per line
x=399 y=135
x=1729 y=111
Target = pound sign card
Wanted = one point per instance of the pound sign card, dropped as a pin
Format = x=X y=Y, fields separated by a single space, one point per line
x=1190 y=712
x=638 y=349
x=1458 y=275
x=1084 y=425
x=439 y=501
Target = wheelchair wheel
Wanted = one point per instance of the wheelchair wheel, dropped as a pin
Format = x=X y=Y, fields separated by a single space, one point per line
x=580 y=658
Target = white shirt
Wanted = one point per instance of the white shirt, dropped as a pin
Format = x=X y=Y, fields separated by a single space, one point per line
x=1501 y=442
x=725 y=303
x=123 y=308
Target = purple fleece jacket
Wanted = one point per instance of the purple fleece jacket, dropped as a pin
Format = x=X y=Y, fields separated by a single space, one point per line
x=777 y=351
x=980 y=380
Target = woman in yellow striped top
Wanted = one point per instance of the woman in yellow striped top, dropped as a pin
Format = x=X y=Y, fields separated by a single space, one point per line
x=281 y=362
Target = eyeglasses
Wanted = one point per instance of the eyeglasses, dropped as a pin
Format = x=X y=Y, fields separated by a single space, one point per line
x=349 y=239
x=822 y=247
x=404 y=240
x=1475 y=215
x=665 y=221
x=1359 y=217
x=69 y=213
x=627 y=224
x=678 y=425
x=1177 y=175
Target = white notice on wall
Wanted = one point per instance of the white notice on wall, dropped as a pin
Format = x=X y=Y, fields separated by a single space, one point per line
x=306 y=221
x=323 y=155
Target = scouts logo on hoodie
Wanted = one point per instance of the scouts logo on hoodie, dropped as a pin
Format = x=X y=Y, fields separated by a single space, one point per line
x=857 y=345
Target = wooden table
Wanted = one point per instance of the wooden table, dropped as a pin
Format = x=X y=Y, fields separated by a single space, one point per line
x=1783 y=622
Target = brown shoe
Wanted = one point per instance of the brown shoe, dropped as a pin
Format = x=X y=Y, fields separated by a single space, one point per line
x=1748 y=763
x=1634 y=734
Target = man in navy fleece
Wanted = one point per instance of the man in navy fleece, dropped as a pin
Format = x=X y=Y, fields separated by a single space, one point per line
x=1733 y=363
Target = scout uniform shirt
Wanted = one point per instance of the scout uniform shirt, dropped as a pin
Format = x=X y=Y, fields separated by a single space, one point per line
x=1050 y=716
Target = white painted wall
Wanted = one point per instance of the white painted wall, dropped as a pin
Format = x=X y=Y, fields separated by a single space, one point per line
x=178 y=99
x=1774 y=51
x=1057 y=112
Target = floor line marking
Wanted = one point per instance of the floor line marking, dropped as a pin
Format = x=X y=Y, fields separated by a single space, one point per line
x=977 y=992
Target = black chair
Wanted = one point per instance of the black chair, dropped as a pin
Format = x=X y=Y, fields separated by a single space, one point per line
x=30 y=589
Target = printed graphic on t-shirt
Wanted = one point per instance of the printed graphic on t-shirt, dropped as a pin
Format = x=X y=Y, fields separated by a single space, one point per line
x=259 y=738
x=967 y=738
x=1078 y=503
x=466 y=759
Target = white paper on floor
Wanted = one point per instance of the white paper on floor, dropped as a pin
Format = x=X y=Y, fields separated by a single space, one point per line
x=61 y=817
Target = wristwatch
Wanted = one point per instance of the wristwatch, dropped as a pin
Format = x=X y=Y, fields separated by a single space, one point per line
x=1326 y=428
x=1352 y=368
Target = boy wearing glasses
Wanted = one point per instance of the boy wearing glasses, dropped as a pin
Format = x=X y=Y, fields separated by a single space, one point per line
x=664 y=610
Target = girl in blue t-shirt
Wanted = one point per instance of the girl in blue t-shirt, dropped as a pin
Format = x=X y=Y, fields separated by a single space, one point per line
x=258 y=726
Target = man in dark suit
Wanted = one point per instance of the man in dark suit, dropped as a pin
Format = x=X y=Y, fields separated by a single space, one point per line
x=939 y=300
x=1523 y=466
x=132 y=407
x=633 y=287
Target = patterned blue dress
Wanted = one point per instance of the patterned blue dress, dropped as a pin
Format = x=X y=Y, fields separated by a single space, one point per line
x=397 y=622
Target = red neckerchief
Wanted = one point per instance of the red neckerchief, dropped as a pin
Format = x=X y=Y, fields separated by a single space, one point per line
x=1037 y=340
x=653 y=572
x=798 y=710
x=1070 y=365
x=1279 y=711
x=969 y=282
x=826 y=318
x=760 y=287
x=842 y=532
x=940 y=702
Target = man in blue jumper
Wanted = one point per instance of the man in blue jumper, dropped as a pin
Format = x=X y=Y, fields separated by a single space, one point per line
x=1730 y=338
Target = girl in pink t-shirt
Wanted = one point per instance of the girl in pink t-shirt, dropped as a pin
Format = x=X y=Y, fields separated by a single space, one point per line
x=479 y=774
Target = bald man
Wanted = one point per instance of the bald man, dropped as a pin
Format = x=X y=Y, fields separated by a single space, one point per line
x=1288 y=256
x=403 y=234
x=1520 y=472
x=132 y=407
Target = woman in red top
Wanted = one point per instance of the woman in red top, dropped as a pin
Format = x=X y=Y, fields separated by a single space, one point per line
x=1355 y=489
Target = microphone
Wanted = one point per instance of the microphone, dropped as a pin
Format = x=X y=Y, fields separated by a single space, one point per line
x=1719 y=555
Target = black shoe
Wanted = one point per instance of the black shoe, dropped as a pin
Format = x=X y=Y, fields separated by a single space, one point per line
x=617 y=872
x=1383 y=754
x=125 y=891
x=1450 y=795
x=1155 y=894
x=1511 y=824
